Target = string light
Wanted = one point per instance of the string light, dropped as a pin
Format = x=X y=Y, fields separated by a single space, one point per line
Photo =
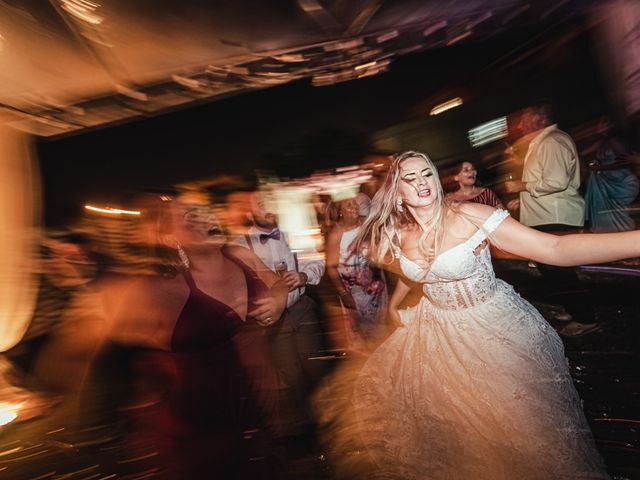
x=112 y=211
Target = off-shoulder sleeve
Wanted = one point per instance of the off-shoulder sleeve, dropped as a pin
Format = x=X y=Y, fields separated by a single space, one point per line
x=489 y=225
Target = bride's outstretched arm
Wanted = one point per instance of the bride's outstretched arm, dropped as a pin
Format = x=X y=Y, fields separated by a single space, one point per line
x=565 y=250
x=560 y=250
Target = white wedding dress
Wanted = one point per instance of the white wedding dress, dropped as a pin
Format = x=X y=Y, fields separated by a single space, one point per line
x=475 y=385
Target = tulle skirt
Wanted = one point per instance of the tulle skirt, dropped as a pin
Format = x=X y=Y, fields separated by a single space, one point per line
x=474 y=393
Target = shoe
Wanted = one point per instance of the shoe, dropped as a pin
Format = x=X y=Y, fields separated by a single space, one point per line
x=561 y=316
x=575 y=329
x=554 y=312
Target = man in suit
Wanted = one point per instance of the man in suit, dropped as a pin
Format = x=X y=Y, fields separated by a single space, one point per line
x=296 y=336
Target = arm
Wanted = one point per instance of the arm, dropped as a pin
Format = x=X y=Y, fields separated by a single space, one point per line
x=620 y=154
x=565 y=250
x=252 y=261
x=333 y=260
x=312 y=267
x=561 y=250
x=310 y=271
x=270 y=309
x=399 y=294
x=332 y=250
x=594 y=167
x=558 y=165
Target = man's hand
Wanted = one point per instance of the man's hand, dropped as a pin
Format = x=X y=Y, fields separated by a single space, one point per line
x=513 y=204
x=268 y=312
x=514 y=186
x=295 y=279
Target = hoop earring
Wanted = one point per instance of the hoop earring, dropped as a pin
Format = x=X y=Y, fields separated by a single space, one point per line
x=399 y=206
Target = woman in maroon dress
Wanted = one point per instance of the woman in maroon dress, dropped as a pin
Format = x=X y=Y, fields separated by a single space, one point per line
x=201 y=326
x=468 y=191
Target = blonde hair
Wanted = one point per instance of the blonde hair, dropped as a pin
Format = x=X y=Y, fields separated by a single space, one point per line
x=380 y=232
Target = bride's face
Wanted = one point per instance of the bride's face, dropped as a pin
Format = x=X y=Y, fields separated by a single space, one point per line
x=417 y=187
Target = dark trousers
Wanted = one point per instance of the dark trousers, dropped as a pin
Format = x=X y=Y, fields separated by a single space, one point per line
x=293 y=341
x=560 y=278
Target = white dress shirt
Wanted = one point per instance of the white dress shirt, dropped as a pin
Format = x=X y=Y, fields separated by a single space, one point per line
x=552 y=177
x=274 y=251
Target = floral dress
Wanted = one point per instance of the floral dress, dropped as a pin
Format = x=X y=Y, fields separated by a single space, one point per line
x=367 y=286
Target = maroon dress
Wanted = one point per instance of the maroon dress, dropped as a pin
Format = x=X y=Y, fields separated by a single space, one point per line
x=220 y=390
x=487 y=197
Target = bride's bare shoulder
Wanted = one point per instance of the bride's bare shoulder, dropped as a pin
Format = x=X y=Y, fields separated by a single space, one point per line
x=476 y=213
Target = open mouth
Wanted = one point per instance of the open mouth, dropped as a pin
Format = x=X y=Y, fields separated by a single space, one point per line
x=424 y=193
x=214 y=231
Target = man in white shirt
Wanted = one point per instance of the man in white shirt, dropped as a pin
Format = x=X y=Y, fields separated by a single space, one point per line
x=296 y=336
x=549 y=198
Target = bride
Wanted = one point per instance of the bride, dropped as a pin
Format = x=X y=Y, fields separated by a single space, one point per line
x=475 y=384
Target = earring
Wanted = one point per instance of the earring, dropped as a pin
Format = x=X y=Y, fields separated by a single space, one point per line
x=399 y=206
x=183 y=258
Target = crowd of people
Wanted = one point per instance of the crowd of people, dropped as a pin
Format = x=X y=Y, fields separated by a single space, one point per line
x=225 y=326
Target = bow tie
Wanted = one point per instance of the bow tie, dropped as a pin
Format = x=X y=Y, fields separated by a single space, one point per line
x=264 y=237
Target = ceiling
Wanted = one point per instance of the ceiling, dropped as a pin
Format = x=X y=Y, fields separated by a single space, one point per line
x=71 y=65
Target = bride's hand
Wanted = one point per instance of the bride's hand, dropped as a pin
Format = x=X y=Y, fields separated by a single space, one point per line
x=394 y=318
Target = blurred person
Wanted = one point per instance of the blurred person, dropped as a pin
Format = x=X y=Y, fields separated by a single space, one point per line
x=364 y=204
x=611 y=185
x=475 y=383
x=69 y=320
x=64 y=267
x=198 y=325
x=325 y=213
x=52 y=358
x=468 y=191
x=549 y=197
x=237 y=209
x=295 y=336
x=360 y=285
x=379 y=165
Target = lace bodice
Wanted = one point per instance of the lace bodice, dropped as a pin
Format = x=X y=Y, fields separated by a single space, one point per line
x=458 y=277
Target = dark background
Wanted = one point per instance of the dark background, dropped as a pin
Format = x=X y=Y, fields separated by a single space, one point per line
x=295 y=129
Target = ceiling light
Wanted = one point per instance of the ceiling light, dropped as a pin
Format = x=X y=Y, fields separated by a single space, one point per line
x=448 y=105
